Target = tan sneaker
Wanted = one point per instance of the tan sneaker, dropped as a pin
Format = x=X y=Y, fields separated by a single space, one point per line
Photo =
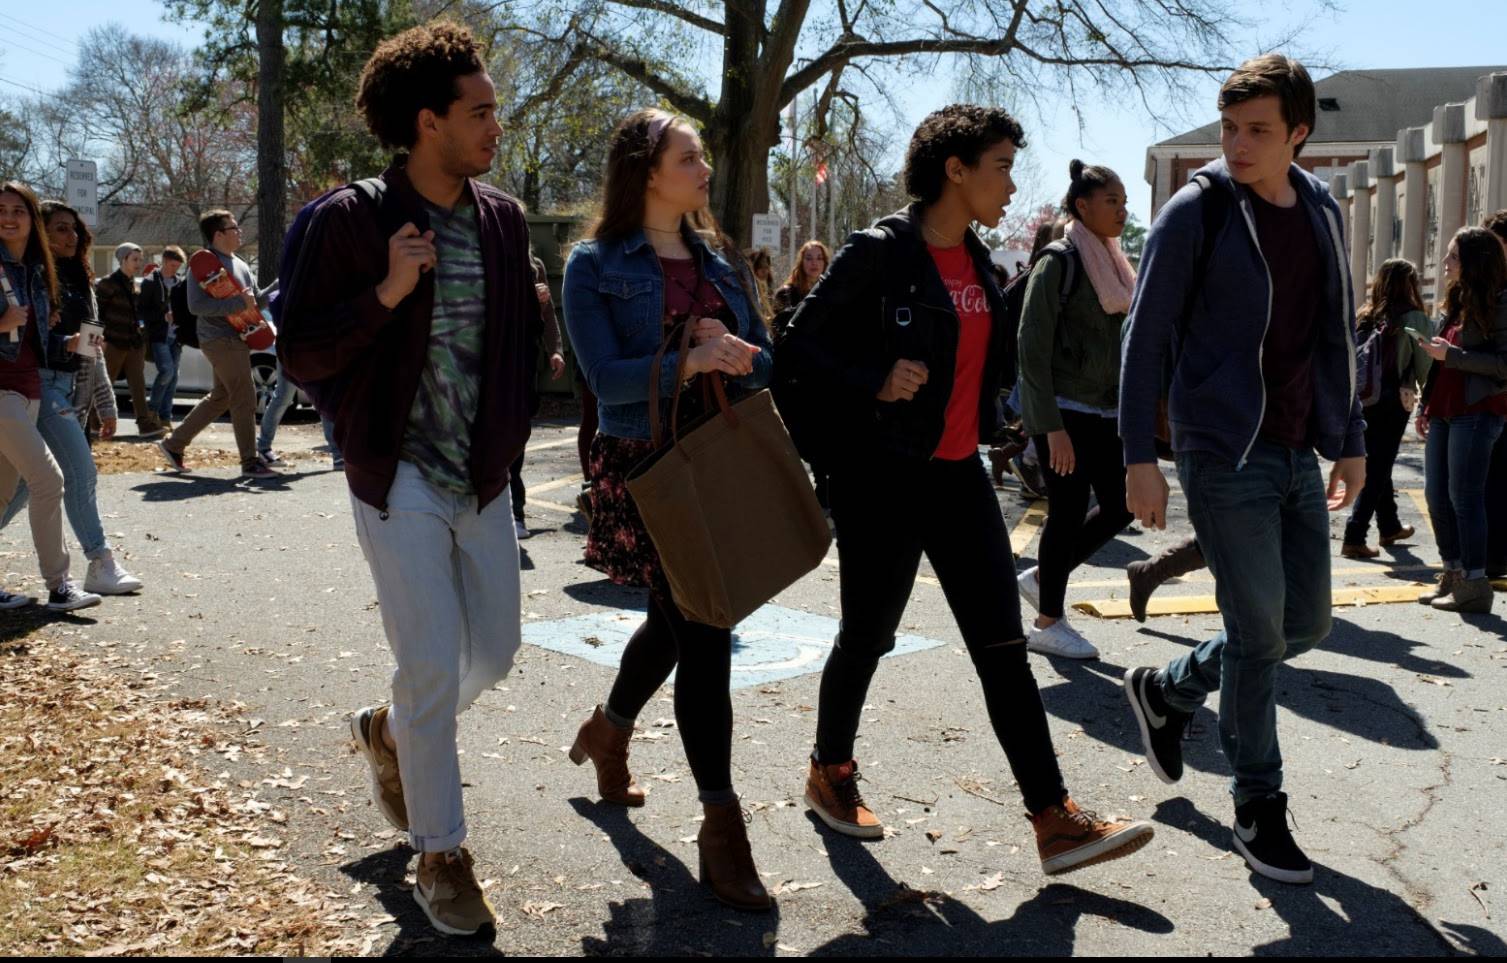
x=832 y=793
x=450 y=896
x=1069 y=838
x=386 y=783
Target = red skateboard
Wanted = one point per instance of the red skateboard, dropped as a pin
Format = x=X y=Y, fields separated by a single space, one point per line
x=253 y=327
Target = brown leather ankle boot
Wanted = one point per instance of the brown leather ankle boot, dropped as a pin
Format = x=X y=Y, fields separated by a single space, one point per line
x=607 y=747
x=727 y=865
x=1145 y=577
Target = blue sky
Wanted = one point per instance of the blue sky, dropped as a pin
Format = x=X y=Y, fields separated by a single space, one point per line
x=37 y=48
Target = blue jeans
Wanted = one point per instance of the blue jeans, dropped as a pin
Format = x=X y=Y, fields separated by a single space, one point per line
x=1456 y=460
x=64 y=435
x=277 y=406
x=1265 y=532
x=165 y=355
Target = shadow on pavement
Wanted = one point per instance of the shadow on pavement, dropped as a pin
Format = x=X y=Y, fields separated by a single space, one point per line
x=602 y=591
x=1354 y=704
x=1368 y=920
x=1387 y=647
x=900 y=921
x=386 y=870
x=681 y=917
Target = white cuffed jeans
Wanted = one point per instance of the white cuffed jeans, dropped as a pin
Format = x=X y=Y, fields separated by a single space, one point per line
x=447 y=585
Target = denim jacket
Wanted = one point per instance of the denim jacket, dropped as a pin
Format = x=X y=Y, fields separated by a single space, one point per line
x=614 y=311
x=32 y=291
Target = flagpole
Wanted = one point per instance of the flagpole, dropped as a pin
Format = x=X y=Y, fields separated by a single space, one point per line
x=816 y=158
x=794 y=205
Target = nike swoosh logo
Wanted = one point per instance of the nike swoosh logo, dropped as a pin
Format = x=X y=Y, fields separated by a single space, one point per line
x=1246 y=835
x=1151 y=716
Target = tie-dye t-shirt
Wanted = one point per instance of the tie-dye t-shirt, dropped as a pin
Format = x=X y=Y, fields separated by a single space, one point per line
x=438 y=439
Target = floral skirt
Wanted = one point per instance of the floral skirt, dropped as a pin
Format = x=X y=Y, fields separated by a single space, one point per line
x=617 y=544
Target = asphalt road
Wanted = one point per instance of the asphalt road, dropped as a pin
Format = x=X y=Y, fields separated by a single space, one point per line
x=1392 y=735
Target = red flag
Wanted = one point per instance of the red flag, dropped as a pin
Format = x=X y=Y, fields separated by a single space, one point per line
x=821 y=174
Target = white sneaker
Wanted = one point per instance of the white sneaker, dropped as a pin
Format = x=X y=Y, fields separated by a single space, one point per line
x=1030 y=587
x=521 y=530
x=10 y=600
x=1062 y=639
x=106 y=577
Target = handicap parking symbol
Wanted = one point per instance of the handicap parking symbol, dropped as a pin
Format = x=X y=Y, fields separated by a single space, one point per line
x=772 y=644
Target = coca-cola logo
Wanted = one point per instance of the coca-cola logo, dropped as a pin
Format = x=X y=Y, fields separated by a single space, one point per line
x=969 y=299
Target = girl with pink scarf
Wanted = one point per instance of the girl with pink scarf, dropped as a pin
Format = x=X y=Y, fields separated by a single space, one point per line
x=1076 y=301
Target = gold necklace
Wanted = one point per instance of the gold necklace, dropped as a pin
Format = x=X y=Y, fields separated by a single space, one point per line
x=946 y=242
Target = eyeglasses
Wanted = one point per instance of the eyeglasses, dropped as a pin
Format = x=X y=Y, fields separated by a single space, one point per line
x=234 y=228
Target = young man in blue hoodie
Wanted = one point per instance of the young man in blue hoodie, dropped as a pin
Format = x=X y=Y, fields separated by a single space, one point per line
x=1244 y=319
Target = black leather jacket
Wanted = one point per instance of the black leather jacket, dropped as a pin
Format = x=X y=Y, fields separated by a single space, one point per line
x=882 y=300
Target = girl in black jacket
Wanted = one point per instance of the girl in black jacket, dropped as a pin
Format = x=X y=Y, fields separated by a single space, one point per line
x=905 y=334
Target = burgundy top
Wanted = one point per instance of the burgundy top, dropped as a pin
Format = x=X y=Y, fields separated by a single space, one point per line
x=1295 y=263
x=22 y=375
x=1447 y=397
x=687 y=293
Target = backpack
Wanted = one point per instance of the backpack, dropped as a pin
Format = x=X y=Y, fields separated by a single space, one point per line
x=185 y=323
x=1373 y=355
x=292 y=270
x=1015 y=303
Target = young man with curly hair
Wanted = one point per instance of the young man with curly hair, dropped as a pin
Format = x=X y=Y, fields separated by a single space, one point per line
x=907 y=409
x=1245 y=319
x=414 y=314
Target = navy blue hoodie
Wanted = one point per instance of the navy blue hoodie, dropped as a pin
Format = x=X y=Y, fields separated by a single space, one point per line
x=1209 y=331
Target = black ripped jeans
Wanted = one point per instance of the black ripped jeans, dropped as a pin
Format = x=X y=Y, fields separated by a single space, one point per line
x=888 y=514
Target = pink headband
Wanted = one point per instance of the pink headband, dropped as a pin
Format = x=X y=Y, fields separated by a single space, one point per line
x=657 y=128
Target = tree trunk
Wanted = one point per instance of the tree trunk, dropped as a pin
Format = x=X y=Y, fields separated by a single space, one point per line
x=744 y=127
x=271 y=170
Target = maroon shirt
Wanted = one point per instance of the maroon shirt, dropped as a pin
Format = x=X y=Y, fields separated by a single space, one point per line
x=1297 y=271
x=21 y=375
x=1447 y=397
x=687 y=293
x=335 y=328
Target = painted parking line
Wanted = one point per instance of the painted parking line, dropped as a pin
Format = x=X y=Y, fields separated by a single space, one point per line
x=831 y=562
x=543 y=445
x=1205 y=577
x=1031 y=521
x=772 y=644
x=550 y=486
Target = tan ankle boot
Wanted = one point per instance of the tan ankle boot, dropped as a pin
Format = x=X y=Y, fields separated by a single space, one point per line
x=727 y=865
x=607 y=747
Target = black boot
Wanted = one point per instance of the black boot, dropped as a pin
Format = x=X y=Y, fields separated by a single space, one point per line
x=1146 y=576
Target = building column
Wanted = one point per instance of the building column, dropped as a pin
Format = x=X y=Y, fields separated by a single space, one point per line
x=1339 y=187
x=1415 y=185
x=1360 y=225
x=1449 y=134
x=1491 y=106
x=1380 y=164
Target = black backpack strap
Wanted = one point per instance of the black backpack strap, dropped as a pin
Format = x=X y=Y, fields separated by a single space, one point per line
x=1214 y=212
x=1066 y=253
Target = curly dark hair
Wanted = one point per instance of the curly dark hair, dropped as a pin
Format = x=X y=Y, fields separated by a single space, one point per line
x=963 y=131
x=414 y=71
x=1473 y=296
x=1496 y=223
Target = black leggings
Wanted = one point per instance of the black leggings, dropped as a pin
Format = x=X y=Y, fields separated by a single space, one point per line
x=1386 y=421
x=588 y=429
x=887 y=516
x=515 y=486
x=1071 y=535
x=701 y=656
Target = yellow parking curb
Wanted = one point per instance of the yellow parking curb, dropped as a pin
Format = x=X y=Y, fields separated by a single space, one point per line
x=1030 y=523
x=1205 y=604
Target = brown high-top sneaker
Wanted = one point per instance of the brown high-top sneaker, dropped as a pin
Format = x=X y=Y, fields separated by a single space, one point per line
x=607 y=747
x=832 y=793
x=1145 y=577
x=727 y=865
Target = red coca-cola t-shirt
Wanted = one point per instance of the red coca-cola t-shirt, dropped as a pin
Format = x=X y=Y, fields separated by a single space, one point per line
x=960 y=437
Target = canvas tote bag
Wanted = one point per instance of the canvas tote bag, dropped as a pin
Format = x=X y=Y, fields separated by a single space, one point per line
x=727 y=502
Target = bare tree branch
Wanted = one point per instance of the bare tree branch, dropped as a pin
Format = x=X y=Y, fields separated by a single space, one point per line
x=676 y=11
